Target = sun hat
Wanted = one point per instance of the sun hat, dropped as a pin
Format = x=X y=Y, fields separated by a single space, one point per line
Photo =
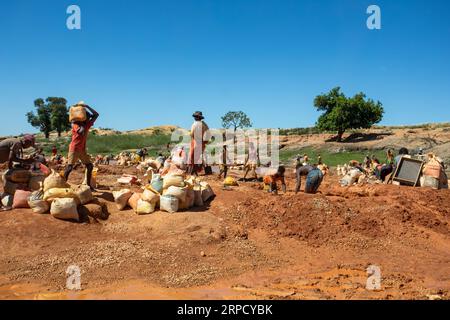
x=198 y=115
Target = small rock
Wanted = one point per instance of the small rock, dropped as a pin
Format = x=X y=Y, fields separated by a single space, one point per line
x=203 y=254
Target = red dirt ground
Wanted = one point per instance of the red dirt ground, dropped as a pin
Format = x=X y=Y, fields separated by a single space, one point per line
x=245 y=244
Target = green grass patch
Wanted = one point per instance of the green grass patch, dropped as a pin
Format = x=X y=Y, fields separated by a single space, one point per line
x=332 y=159
x=112 y=144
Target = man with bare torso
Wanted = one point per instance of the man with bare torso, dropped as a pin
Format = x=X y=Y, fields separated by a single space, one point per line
x=11 y=150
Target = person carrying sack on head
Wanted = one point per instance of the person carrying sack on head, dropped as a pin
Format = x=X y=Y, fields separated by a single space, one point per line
x=77 y=148
x=199 y=139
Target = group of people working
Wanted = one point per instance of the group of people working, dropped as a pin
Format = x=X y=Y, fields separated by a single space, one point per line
x=371 y=165
x=11 y=151
x=312 y=173
x=200 y=138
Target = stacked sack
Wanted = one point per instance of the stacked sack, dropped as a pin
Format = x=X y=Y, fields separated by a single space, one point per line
x=141 y=202
x=15 y=179
x=351 y=177
x=62 y=200
x=170 y=194
x=174 y=193
x=433 y=173
x=19 y=183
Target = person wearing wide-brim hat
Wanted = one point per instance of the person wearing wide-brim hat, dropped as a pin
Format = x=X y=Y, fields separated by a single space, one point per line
x=199 y=139
x=198 y=116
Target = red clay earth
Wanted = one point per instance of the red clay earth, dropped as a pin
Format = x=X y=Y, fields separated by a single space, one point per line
x=245 y=244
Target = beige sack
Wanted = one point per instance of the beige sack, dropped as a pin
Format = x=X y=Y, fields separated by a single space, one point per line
x=37 y=203
x=54 y=180
x=84 y=194
x=189 y=200
x=150 y=196
x=133 y=201
x=59 y=193
x=144 y=207
x=169 y=204
x=171 y=180
x=65 y=209
x=177 y=192
x=121 y=198
x=207 y=191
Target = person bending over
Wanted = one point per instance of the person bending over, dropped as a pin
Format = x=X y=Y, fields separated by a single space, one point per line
x=272 y=180
x=11 y=150
x=314 y=177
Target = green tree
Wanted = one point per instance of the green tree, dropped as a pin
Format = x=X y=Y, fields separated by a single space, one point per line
x=59 y=114
x=42 y=118
x=342 y=113
x=236 y=119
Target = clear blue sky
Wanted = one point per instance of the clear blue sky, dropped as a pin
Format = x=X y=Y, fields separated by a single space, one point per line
x=144 y=63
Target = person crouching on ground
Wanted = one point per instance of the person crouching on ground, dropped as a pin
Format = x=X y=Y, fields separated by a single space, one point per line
x=142 y=153
x=314 y=177
x=272 y=180
x=387 y=168
x=77 y=149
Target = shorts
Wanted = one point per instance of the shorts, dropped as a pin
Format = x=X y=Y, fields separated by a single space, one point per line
x=313 y=181
x=74 y=156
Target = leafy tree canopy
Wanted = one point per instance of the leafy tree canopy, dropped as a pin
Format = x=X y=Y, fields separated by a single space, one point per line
x=235 y=120
x=341 y=113
x=51 y=114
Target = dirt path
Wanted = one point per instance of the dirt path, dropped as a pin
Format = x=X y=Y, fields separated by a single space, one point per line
x=254 y=246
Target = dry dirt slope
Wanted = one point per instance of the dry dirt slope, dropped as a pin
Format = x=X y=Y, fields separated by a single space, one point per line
x=437 y=140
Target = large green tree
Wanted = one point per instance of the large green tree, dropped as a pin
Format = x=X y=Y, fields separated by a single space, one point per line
x=342 y=113
x=59 y=114
x=51 y=114
x=235 y=120
x=41 y=118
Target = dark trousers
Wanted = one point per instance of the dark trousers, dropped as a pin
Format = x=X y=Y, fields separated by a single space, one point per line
x=313 y=181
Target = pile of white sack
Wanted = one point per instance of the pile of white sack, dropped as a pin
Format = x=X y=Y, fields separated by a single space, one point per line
x=171 y=194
